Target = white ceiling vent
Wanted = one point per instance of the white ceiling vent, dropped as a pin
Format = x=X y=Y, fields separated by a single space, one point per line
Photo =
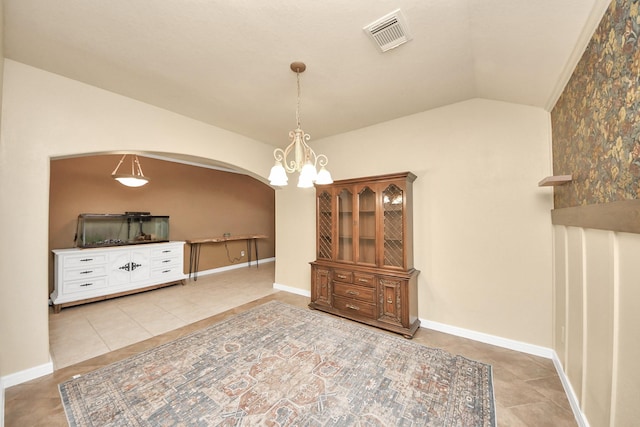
x=389 y=31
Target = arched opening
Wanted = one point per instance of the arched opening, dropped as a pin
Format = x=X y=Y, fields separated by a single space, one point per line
x=203 y=198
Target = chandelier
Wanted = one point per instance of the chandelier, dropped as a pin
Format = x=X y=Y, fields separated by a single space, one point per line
x=304 y=159
x=135 y=179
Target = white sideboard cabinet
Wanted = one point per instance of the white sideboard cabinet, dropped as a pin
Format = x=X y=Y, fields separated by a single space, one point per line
x=87 y=275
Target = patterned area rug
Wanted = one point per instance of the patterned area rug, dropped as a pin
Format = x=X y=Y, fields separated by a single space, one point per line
x=278 y=365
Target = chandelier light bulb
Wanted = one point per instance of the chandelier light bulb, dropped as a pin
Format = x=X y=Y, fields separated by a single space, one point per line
x=324 y=177
x=278 y=175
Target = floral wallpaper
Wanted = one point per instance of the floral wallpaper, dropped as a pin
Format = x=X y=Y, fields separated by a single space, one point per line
x=596 y=121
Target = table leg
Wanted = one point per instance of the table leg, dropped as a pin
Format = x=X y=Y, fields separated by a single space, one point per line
x=255 y=245
x=194 y=260
x=249 y=252
x=191 y=254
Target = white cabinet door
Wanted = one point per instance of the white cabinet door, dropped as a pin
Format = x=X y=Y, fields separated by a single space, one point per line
x=140 y=264
x=128 y=266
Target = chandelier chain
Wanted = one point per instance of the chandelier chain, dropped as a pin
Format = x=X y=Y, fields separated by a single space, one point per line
x=298 y=102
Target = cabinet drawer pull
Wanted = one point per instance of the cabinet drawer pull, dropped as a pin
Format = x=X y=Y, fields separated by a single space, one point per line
x=352 y=307
x=363 y=280
x=86 y=259
x=166 y=261
x=166 y=271
x=353 y=292
x=166 y=251
x=86 y=284
x=341 y=276
x=86 y=272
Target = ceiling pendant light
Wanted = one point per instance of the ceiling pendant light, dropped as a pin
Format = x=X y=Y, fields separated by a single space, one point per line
x=135 y=179
x=304 y=160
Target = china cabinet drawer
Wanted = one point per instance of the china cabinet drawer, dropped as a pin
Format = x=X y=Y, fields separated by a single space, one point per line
x=343 y=276
x=356 y=292
x=364 y=279
x=355 y=308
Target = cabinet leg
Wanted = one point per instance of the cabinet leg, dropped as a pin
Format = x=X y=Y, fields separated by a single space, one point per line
x=56 y=308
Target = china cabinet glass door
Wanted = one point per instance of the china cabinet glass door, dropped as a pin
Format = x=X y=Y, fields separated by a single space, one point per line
x=392 y=201
x=325 y=226
x=366 y=226
x=345 y=225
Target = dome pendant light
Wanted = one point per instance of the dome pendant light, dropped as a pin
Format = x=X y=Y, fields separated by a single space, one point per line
x=135 y=179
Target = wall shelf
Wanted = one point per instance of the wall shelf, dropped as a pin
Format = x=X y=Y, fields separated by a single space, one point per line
x=552 y=181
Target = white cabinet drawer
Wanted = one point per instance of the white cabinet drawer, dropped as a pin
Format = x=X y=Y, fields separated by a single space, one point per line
x=166 y=251
x=162 y=262
x=84 y=273
x=169 y=271
x=85 y=285
x=84 y=259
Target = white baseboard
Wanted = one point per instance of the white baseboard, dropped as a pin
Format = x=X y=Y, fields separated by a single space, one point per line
x=581 y=419
x=523 y=347
x=292 y=290
x=26 y=375
x=230 y=267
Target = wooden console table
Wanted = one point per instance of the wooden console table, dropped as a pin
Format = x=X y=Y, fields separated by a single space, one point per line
x=194 y=253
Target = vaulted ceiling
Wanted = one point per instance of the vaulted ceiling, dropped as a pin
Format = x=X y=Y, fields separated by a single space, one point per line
x=227 y=62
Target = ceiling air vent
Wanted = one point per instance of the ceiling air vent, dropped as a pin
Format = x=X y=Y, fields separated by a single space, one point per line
x=389 y=31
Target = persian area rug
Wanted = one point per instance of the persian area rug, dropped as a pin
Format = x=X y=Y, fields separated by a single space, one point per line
x=278 y=365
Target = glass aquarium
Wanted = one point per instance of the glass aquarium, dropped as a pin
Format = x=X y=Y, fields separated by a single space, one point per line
x=130 y=228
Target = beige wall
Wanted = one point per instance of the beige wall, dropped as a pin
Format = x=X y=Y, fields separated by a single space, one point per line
x=482 y=233
x=596 y=321
x=45 y=116
x=481 y=229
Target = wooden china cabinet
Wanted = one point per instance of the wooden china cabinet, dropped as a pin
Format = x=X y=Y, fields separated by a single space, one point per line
x=364 y=267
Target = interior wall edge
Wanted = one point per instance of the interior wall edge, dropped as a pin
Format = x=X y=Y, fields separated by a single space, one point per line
x=560 y=294
x=616 y=328
x=585 y=326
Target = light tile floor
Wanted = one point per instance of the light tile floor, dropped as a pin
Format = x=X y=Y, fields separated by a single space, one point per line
x=527 y=389
x=85 y=331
